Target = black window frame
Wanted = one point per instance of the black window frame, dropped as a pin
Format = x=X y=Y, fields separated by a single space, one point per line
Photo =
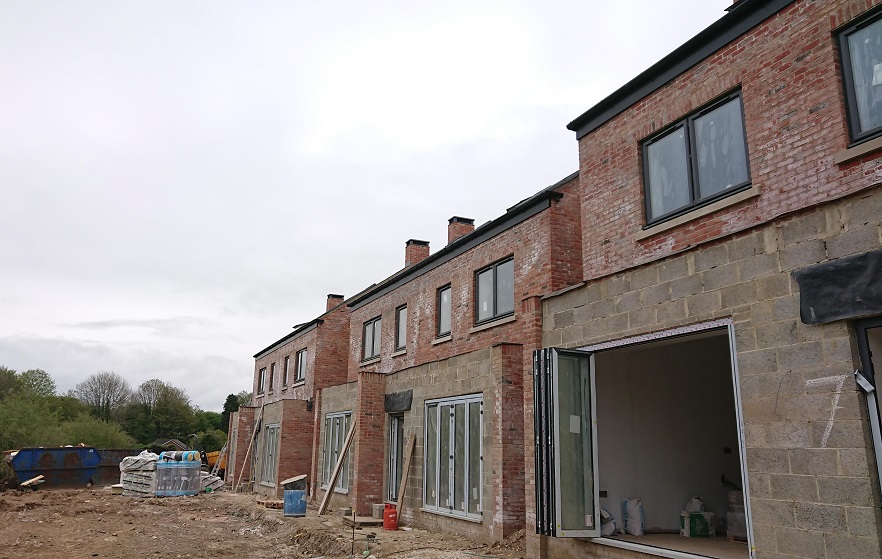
x=494 y=315
x=376 y=326
x=399 y=343
x=300 y=365
x=261 y=380
x=687 y=124
x=272 y=377
x=851 y=110
x=438 y=332
x=285 y=370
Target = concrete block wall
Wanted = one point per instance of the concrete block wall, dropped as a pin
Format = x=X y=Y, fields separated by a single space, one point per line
x=788 y=70
x=813 y=489
x=333 y=399
x=471 y=373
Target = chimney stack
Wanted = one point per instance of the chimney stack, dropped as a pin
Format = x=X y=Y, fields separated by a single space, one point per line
x=459 y=227
x=334 y=300
x=415 y=251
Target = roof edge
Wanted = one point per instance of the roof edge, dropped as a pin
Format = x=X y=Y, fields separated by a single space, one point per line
x=300 y=329
x=741 y=18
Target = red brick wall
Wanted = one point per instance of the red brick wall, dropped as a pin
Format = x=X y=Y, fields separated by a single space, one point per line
x=244 y=426
x=532 y=242
x=789 y=73
x=507 y=459
x=368 y=446
x=295 y=444
x=309 y=342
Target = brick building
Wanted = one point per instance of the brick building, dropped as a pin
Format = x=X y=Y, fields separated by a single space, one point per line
x=731 y=215
x=682 y=317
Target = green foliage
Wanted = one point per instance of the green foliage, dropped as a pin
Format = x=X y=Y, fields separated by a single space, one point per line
x=207 y=420
x=96 y=432
x=105 y=393
x=159 y=409
x=244 y=398
x=231 y=404
x=27 y=422
x=37 y=382
x=9 y=382
x=211 y=440
x=67 y=407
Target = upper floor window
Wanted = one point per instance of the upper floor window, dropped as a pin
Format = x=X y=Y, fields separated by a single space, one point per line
x=261 y=379
x=861 y=47
x=371 y=339
x=272 y=376
x=495 y=291
x=401 y=327
x=696 y=160
x=301 y=365
x=444 y=311
x=286 y=370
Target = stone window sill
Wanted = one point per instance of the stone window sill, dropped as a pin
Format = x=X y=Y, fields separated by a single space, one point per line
x=736 y=198
x=298 y=383
x=267 y=484
x=336 y=490
x=474 y=519
x=442 y=339
x=494 y=324
x=399 y=352
x=857 y=151
x=370 y=361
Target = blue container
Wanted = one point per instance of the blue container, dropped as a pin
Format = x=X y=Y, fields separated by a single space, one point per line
x=295 y=502
x=174 y=479
x=68 y=466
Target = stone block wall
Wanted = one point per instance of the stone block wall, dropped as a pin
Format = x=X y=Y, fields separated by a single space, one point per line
x=813 y=488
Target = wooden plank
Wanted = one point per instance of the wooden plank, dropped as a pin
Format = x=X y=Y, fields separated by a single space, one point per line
x=402 y=485
x=248 y=452
x=337 y=467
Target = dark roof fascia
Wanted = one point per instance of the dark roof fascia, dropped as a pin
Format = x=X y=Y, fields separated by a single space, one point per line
x=743 y=17
x=302 y=329
x=518 y=213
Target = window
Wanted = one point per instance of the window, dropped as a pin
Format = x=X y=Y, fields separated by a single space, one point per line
x=301 y=365
x=336 y=429
x=371 y=339
x=396 y=451
x=861 y=48
x=696 y=160
x=272 y=376
x=444 y=311
x=401 y=327
x=270 y=454
x=453 y=456
x=286 y=371
x=495 y=291
x=261 y=380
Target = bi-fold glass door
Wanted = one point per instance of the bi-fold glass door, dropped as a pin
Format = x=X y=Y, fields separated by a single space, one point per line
x=567 y=496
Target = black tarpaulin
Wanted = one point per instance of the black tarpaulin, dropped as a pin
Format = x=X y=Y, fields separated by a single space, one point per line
x=398 y=401
x=844 y=288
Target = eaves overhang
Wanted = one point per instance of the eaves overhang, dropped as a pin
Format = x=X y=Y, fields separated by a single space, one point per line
x=298 y=331
x=741 y=18
x=516 y=214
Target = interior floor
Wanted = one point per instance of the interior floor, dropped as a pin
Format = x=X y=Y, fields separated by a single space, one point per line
x=718 y=548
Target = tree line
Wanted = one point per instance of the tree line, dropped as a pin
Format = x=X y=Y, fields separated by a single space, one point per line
x=106 y=412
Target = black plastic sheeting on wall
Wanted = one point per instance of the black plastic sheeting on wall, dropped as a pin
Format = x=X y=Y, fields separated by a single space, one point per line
x=844 y=288
x=398 y=401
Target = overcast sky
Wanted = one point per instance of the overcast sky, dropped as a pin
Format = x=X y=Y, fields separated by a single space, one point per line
x=182 y=182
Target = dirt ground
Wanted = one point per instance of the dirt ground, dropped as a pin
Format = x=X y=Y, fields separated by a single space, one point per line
x=70 y=524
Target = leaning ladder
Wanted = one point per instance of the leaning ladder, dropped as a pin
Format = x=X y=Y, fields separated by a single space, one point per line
x=220 y=459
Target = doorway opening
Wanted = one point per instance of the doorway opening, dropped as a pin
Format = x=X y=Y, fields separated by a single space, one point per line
x=655 y=421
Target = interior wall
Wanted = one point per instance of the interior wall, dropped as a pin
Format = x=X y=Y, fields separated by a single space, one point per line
x=665 y=421
x=874 y=341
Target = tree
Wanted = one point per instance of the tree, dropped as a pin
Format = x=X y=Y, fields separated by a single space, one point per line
x=158 y=409
x=149 y=392
x=37 y=382
x=9 y=382
x=244 y=398
x=105 y=393
x=230 y=405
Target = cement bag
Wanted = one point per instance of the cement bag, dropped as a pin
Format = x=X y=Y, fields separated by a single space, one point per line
x=632 y=516
x=607 y=523
x=695 y=504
